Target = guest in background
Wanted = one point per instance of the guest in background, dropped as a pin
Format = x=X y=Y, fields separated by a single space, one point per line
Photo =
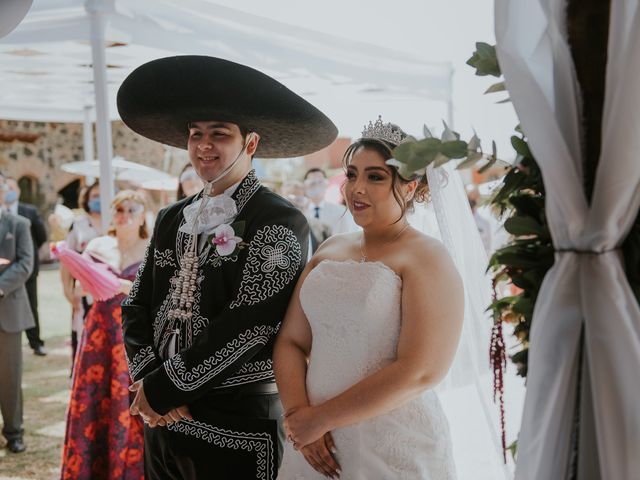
x=38 y=237
x=319 y=231
x=189 y=183
x=102 y=440
x=484 y=226
x=16 y=252
x=337 y=217
x=85 y=227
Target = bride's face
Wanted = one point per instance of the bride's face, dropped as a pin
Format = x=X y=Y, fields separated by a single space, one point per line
x=368 y=190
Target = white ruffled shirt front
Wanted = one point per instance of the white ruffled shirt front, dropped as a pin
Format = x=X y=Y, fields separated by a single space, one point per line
x=217 y=211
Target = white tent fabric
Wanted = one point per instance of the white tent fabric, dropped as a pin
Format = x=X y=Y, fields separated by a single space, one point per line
x=46 y=74
x=587 y=284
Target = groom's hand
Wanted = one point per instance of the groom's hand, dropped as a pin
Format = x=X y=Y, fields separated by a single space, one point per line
x=141 y=407
x=319 y=455
x=175 y=415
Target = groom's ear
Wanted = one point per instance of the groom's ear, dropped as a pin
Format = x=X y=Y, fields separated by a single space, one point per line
x=252 y=144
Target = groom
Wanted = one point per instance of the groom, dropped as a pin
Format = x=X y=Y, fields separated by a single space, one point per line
x=203 y=312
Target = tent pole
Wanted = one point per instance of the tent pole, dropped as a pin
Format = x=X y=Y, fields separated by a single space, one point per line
x=87 y=137
x=450 y=98
x=98 y=11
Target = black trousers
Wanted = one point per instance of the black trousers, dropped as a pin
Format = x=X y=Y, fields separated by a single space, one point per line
x=232 y=436
x=33 y=334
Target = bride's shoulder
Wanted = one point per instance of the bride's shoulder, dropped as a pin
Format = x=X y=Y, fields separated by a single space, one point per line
x=420 y=250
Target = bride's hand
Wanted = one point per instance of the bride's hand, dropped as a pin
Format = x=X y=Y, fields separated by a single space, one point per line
x=304 y=425
x=319 y=455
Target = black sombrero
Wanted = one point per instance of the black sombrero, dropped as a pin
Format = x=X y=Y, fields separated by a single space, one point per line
x=158 y=100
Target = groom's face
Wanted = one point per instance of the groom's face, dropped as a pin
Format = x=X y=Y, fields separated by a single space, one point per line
x=213 y=146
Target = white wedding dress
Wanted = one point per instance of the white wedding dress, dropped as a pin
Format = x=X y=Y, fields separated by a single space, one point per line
x=354 y=312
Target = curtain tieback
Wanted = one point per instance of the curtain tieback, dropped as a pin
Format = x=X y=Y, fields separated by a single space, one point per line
x=585 y=252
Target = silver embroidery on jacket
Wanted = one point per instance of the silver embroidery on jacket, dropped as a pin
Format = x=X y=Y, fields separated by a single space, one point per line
x=272 y=264
x=189 y=380
x=259 y=442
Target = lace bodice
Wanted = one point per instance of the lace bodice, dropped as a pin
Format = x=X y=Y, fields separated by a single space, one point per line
x=354 y=311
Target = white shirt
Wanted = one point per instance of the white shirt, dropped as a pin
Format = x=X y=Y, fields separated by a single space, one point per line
x=337 y=217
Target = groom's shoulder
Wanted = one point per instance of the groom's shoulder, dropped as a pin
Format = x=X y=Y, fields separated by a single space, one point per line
x=267 y=205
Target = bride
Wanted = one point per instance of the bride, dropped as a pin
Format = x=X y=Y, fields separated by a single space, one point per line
x=371 y=329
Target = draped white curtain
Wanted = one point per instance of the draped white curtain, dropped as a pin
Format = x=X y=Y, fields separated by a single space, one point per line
x=582 y=286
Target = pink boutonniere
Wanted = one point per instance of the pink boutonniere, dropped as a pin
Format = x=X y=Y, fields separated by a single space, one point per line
x=226 y=238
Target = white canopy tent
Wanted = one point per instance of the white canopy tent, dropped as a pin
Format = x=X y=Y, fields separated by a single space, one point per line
x=51 y=62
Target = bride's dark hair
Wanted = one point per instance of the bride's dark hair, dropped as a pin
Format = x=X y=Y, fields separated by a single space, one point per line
x=385 y=148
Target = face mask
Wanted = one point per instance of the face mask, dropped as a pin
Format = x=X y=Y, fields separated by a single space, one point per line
x=10 y=197
x=94 y=205
x=315 y=192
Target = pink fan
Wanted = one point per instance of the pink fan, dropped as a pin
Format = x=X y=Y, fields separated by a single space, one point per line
x=95 y=278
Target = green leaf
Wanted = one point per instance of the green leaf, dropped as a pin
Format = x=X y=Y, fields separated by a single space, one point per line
x=496 y=87
x=440 y=160
x=516 y=260
x=485 y=60
x=470 y=161
x=523 y=225
x=521 y=147
x=526 y=204
x=513 y=450
x=488 y=165
x=524 y=306
x=454 y=149
x=449 y=135
x=474 y=143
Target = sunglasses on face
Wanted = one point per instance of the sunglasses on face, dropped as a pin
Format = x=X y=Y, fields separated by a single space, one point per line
x=131 y=210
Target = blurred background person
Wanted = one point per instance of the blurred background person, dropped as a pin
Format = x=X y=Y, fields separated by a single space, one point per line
x=85 y=227
x=336 y=217
x=189 y=183
x=293 y=190
x=100 y=396
x=16 y=252
x=484 y=226
x=38 y=237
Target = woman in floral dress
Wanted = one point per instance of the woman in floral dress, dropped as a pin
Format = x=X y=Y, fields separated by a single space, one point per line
x=102 y=440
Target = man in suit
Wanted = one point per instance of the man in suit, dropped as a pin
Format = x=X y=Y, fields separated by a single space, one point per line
x=38 y=236
x=325 y=218
x=16 y=264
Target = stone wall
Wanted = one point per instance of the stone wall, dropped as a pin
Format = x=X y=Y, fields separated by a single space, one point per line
x=37 y=150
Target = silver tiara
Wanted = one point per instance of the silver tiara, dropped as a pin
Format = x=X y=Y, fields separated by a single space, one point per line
x=382 y=131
